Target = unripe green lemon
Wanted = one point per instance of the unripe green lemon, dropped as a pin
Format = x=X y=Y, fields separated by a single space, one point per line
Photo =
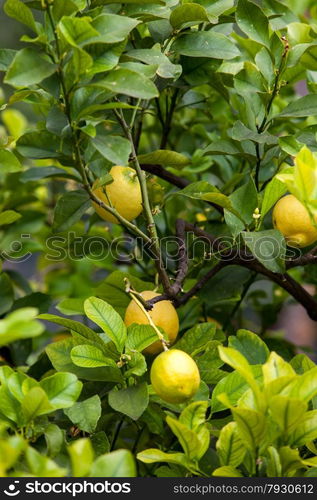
x=175 y=376
x=292 y=219
x=163 y=314
x=124 y=193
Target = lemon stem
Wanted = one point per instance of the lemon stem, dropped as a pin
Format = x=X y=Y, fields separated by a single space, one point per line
x=138 y=300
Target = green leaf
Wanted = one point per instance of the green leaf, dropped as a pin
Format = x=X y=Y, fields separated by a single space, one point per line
x=42 y=144
x=75 y=326
x=127 y=82
x=205 y=44
x=19 y=324
x=69 y=209
x=113 y=28
x=209 y=363
x=252 y=21
x=28 y=68
x=273 y=192
x=230 y=447
x=9 y=162
x=77 y=30
x=112 y=289
x=9 y=406
x=119 y=463
x=227 y=471
x=36 y=173
x=286 y=412
x=251 y=425
x=62 y=389
x=197 y=338
x=6 y=301
x=132 y=401
x=244 y=201
x=187 y=438
x=276 y=367
x=274 y=466
x=250 y=345
x=108 y=319
x=85 y=414
x=188 y=14
x=306 y=430
x=41 y=466
x=54 y=437
x=242 y=133
x=88 y=356
x=152 y=455
x=35 y=403
x=165 y=157
x=303 y=106
x=136 y=365
x=114 y=148
x=202 y=190
x=82 y=456
x=238 y=362
x=304 y=386
x=6 y=58
x=268 y=247
x=19 y=11
x=194 y=415
x=59 y=355
x=140 y=337
x=302 y=363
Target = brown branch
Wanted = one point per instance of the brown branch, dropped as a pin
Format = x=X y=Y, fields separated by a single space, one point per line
x=177 y=181
x=246 y=260
x=199 y=285
x=303 y=260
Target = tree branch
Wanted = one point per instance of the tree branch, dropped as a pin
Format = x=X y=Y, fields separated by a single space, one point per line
x=199 y=285
x=246 y=260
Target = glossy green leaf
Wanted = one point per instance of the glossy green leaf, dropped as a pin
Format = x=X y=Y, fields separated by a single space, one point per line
x=127 y=82
x=250 y=345
x=132 y=401
x=69 y=209
x=114 y=148
x=165 y=157
x=62 y=389
x=28 y=68
x=85 y=414
x=230 y=446
x=252 y=21
x=88 y=356
x=205 y=44
x=119 y=463
x=108 y=319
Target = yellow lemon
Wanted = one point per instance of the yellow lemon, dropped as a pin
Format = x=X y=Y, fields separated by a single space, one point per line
x=163 y=314
x=124 y=194
x=175 y=376
x=292 y=219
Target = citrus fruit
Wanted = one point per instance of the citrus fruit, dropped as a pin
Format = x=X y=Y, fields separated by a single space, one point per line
x=175 y=376
x=292 y=219
x=124 y=194
x=163 y=314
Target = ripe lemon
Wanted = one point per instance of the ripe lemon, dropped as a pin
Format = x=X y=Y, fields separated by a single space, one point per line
x=175 y=376
x=292 y=219
x=163 y=314
x=124 y=193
